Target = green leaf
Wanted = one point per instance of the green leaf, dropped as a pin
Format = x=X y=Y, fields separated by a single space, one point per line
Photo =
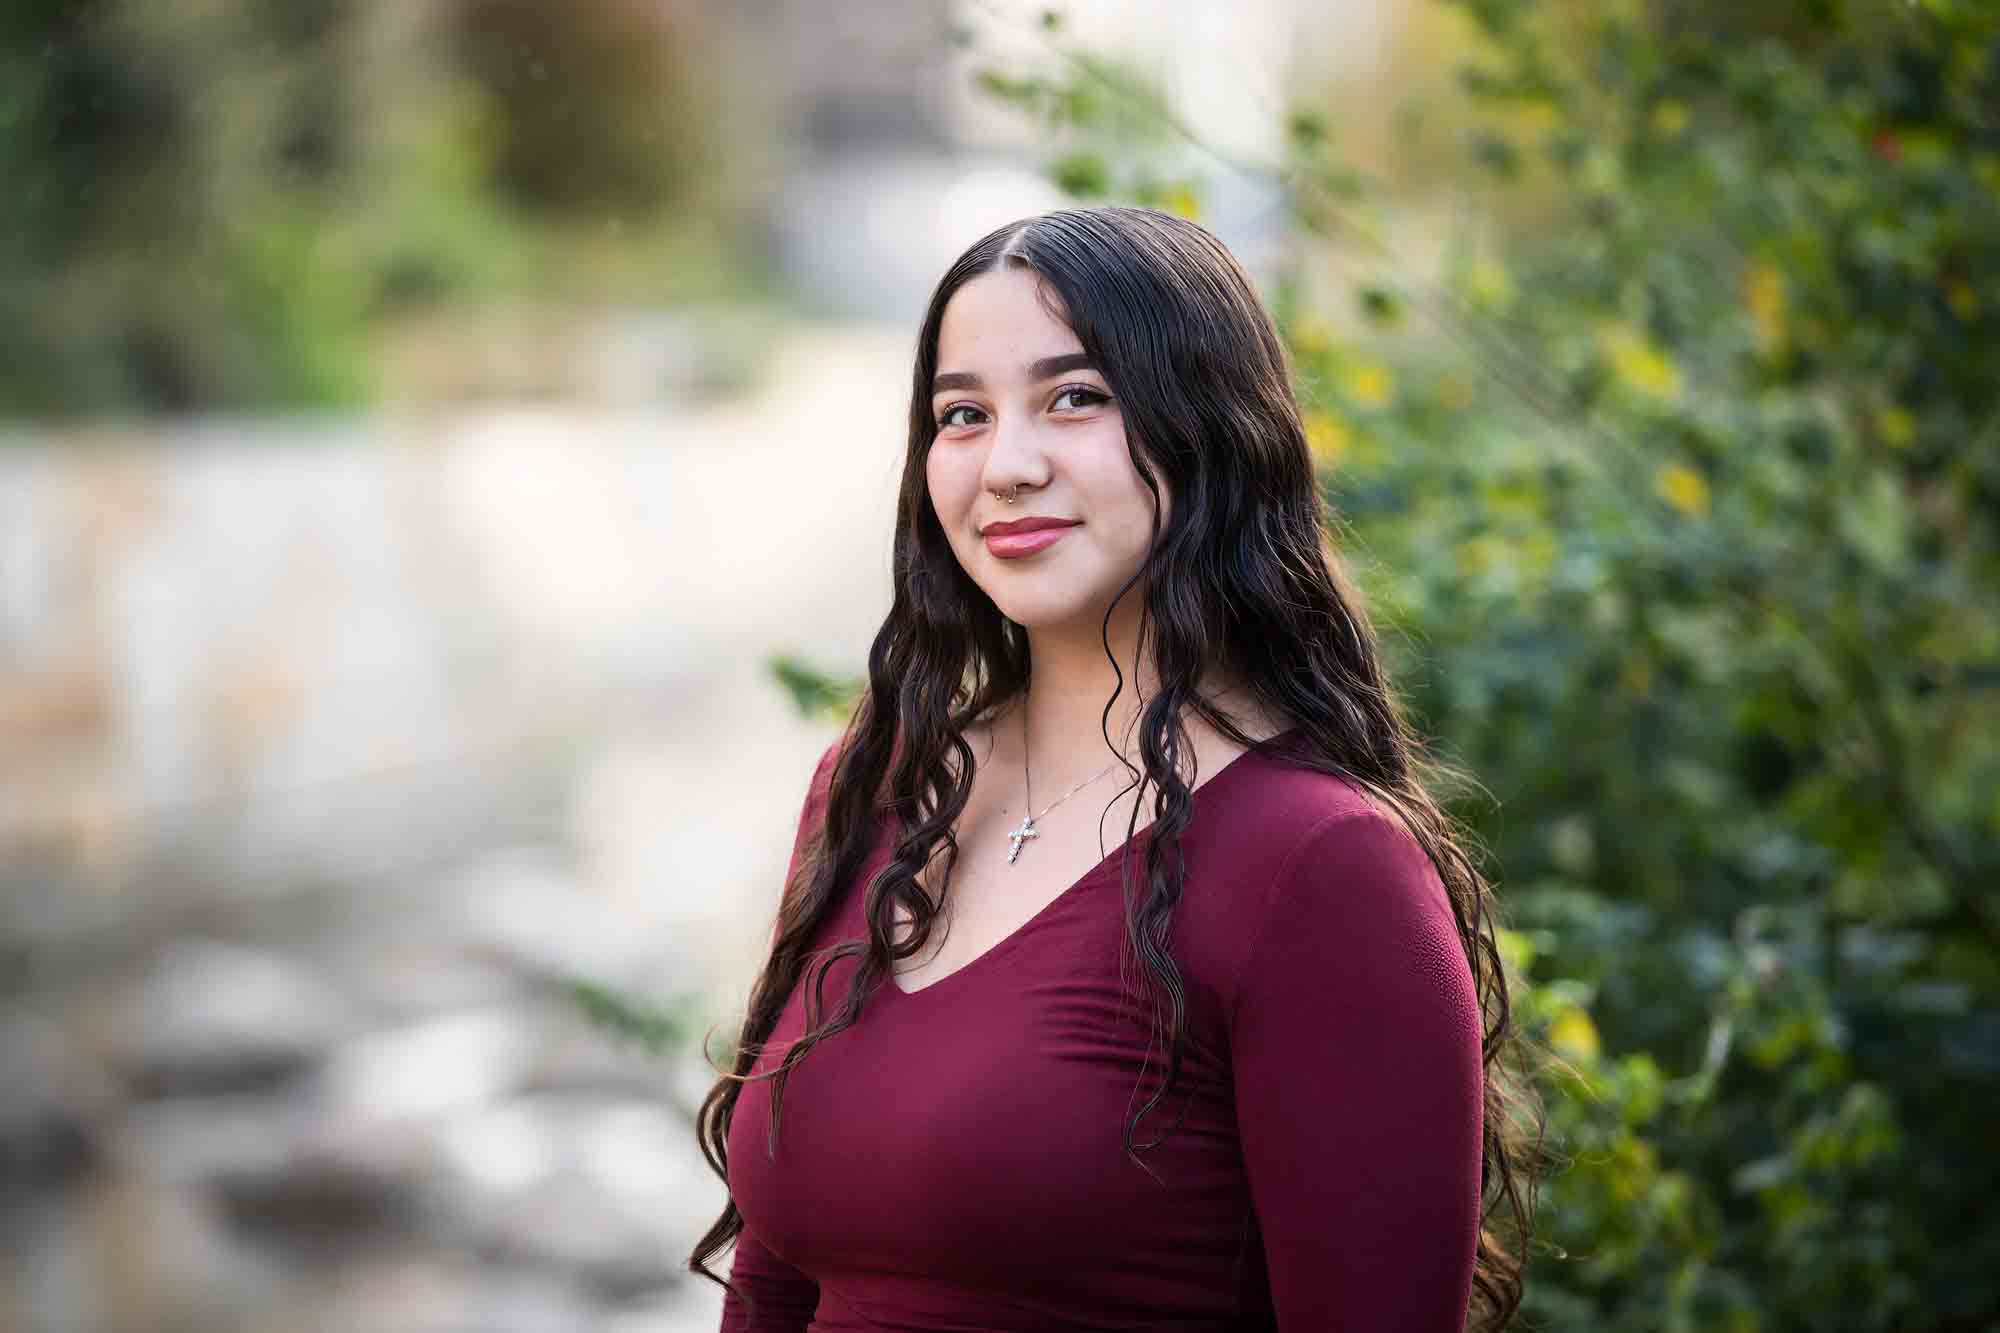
x=1083 y=174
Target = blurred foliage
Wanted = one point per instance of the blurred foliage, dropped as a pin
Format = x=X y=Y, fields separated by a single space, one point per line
x=817 y=693
x=655 y=1026
x=640 y=123
x=1112 y=130
x=1675 y=479
x=221 y=204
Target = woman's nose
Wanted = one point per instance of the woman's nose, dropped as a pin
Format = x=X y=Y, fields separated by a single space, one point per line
x=1015 y=459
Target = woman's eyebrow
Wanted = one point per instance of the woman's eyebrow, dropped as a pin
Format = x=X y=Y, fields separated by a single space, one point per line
x=1043 y=369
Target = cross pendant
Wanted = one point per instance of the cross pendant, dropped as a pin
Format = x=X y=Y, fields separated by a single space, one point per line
x=1019 y=836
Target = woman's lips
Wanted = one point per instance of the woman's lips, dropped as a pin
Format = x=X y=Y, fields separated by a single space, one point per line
x=1014 y=545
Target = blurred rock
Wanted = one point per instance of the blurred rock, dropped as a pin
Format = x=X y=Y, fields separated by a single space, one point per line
x=126 y=1252
x=526 y=907
x=569 y=1182
x=283 y=1170
x=209 y=1016
x=192 y=1141
x=433 y=1068
x=411 y=967
x=429 y=1293
x=53 y=1103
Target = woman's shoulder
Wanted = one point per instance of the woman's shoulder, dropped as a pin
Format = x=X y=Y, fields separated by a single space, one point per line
x=1345 y=912
x=812 y=809
x=821 y=780
x=1295 y=831
x=1292 y=869
x=822 y=775
x=1285 y=795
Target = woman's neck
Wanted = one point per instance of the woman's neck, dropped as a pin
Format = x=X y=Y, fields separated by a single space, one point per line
x=1072 y=680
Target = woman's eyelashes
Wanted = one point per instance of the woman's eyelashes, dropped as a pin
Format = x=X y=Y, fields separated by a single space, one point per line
x=1087 y=397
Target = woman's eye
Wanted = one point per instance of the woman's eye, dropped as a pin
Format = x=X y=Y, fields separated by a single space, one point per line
x=1088 y=395
x=1077 y=395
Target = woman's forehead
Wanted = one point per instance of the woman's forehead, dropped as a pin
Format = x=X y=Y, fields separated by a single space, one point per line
x=1005 y=340
x=1010 y=298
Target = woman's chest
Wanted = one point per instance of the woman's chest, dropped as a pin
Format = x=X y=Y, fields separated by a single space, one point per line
x=975 y=1129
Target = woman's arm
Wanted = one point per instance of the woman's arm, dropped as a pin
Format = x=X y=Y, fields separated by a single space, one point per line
x=1355 y=1044
x=785 y=1297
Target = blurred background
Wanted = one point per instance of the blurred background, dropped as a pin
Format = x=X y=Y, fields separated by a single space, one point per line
x=447 y=460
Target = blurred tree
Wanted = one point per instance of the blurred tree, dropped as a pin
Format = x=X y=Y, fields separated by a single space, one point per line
x=150 y=158
x=219 y=204
x=593 y=103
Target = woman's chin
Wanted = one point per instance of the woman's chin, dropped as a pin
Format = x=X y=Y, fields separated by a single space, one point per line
x=1049 y=613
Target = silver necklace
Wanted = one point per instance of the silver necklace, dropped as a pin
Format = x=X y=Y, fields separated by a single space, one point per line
x=1019 y=837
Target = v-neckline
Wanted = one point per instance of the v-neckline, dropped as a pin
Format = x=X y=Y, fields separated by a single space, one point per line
x=1013 y=936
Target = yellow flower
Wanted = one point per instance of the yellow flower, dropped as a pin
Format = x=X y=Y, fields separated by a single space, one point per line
x=1635 y=1164
x=1683 y=488
x=1962 y=299
x=1896 y=426
x=1517 y=950
x=1764 y=295
x=1573 y=1034
x=1923 y=148
x=1670 y=118
x=1181 y=200
x=1642 y=366
x=1490 y=285
x=1478 y=554
x=1537 y=115
x=1370 y=384
x=1311 y=337
x=1328 y=436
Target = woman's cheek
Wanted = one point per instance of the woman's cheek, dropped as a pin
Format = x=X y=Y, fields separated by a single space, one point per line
x=956 y=482
x=937 y=478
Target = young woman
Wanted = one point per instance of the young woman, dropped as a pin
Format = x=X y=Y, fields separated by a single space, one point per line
x=1111 y=558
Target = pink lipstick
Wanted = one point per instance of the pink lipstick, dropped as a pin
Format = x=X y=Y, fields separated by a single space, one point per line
x=1024 y=536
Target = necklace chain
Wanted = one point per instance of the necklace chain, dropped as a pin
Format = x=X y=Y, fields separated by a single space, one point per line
x=1020 y=836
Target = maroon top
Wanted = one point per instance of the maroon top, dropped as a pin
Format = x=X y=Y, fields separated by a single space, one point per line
x=953 y=1161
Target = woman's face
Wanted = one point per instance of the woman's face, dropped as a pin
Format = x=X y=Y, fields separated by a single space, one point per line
x=1018 y=406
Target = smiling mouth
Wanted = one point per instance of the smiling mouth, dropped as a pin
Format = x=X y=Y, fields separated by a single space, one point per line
x=1032 y=523
x=1014 y=545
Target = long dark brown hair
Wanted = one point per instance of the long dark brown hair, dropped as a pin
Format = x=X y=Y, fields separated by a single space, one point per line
x=1244 y=578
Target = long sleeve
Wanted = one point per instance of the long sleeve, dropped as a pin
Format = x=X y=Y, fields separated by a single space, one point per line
x=1355 y=1050
x=812 y=810
x=785 y=1297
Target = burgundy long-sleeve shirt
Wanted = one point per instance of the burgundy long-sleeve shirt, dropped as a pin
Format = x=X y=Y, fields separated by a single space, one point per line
x=953 y=1161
